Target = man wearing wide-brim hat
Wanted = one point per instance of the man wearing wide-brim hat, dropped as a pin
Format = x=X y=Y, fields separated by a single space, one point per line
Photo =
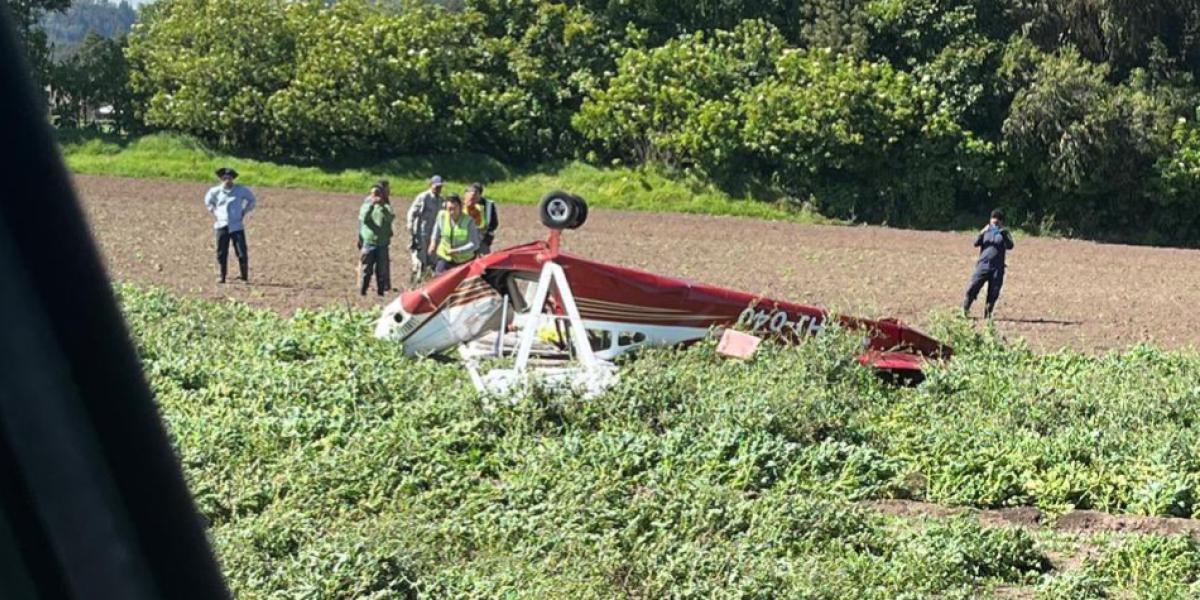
x=229 y=204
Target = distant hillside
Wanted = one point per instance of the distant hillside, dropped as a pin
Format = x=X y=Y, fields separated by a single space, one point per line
x=65 y=31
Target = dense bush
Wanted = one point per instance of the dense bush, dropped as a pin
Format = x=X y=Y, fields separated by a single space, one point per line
x=209 y=67
x=1180 y=185
x=1092 y=148
x=356 y=79
x=535 y=63
x=924 y=113
x=678 y=104
x=864 y=140
x=860 y=139
x=365 y=83
x=328 y=465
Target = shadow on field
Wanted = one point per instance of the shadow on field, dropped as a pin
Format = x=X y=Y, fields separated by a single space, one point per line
x=1034 y=321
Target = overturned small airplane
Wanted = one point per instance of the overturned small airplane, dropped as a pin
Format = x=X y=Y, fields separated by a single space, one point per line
x=534 y=296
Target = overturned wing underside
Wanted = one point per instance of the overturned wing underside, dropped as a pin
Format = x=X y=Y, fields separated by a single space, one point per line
x=465 y=303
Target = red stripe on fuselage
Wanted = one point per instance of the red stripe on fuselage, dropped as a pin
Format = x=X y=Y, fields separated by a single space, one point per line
x=612 y=293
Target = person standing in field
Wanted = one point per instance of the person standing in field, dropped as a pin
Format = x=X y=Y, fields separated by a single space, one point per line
x=421 y=217
x=229 y=204
x=375 y=230
x=455 y=237
x=483 y=212
x=386 y=189
x=993 y=243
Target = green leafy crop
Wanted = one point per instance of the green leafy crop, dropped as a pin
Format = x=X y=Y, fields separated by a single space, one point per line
x=328 y=465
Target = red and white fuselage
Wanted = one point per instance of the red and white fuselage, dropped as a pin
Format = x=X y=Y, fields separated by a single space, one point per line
x=622 y=309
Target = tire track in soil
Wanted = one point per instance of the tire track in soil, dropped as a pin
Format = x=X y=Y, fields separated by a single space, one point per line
x=1057 y=293
x=1084 y=525
x=1086 y=522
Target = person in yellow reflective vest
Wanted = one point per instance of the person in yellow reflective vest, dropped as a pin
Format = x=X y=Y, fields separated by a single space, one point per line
x=455 y=237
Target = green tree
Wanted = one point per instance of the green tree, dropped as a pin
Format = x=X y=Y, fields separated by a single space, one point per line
x=861 y=139
x=66 y=31
x=906 y=111
x=1125 y=34
x=1089 y=148
x=668 y=105
x=363 y=81
x=666 y=19
x=26 y=15
x=908 y=33
x=354 y=78
x=534 y=62
x=1179 y=173
x=840 y=25
x=966 y=75
x=95 y=75
x=209 y=67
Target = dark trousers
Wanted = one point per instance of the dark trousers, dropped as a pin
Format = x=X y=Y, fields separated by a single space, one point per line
x=444 y=265
x=375 y=260
x=994 y=278
x=224 y=236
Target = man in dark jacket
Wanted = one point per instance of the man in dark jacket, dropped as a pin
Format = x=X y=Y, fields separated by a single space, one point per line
x=993 y=242
x=483 y=212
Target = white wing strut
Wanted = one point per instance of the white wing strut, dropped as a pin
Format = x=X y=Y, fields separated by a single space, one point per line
x=552 y=274
x=591 y=377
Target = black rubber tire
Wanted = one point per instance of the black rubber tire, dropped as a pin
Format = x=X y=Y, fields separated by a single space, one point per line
x=558 y=210
x=582 y=215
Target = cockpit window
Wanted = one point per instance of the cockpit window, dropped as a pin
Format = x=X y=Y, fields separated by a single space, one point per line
x=599 y=339
x=629 y=338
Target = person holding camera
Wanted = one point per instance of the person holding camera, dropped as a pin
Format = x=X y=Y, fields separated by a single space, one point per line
x=385 y=189
x=375 y=230
x=993 y=242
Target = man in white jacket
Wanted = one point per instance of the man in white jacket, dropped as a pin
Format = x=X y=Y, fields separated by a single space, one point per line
x=229 y=203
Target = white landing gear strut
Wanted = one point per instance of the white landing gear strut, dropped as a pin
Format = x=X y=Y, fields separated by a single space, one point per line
x=589 y=378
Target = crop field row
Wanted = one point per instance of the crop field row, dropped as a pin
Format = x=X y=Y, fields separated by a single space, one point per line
x=328 y=465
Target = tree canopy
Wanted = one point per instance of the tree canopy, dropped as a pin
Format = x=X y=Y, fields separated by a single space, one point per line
x=1078 y=116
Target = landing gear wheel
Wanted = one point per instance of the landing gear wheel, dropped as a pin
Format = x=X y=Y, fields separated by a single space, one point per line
x=559 y=210
x=581 y=218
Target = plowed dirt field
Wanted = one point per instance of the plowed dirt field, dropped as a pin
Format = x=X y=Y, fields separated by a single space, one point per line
x=302 y=254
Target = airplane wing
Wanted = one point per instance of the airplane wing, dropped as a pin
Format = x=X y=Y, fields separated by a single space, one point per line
x=625 y=308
